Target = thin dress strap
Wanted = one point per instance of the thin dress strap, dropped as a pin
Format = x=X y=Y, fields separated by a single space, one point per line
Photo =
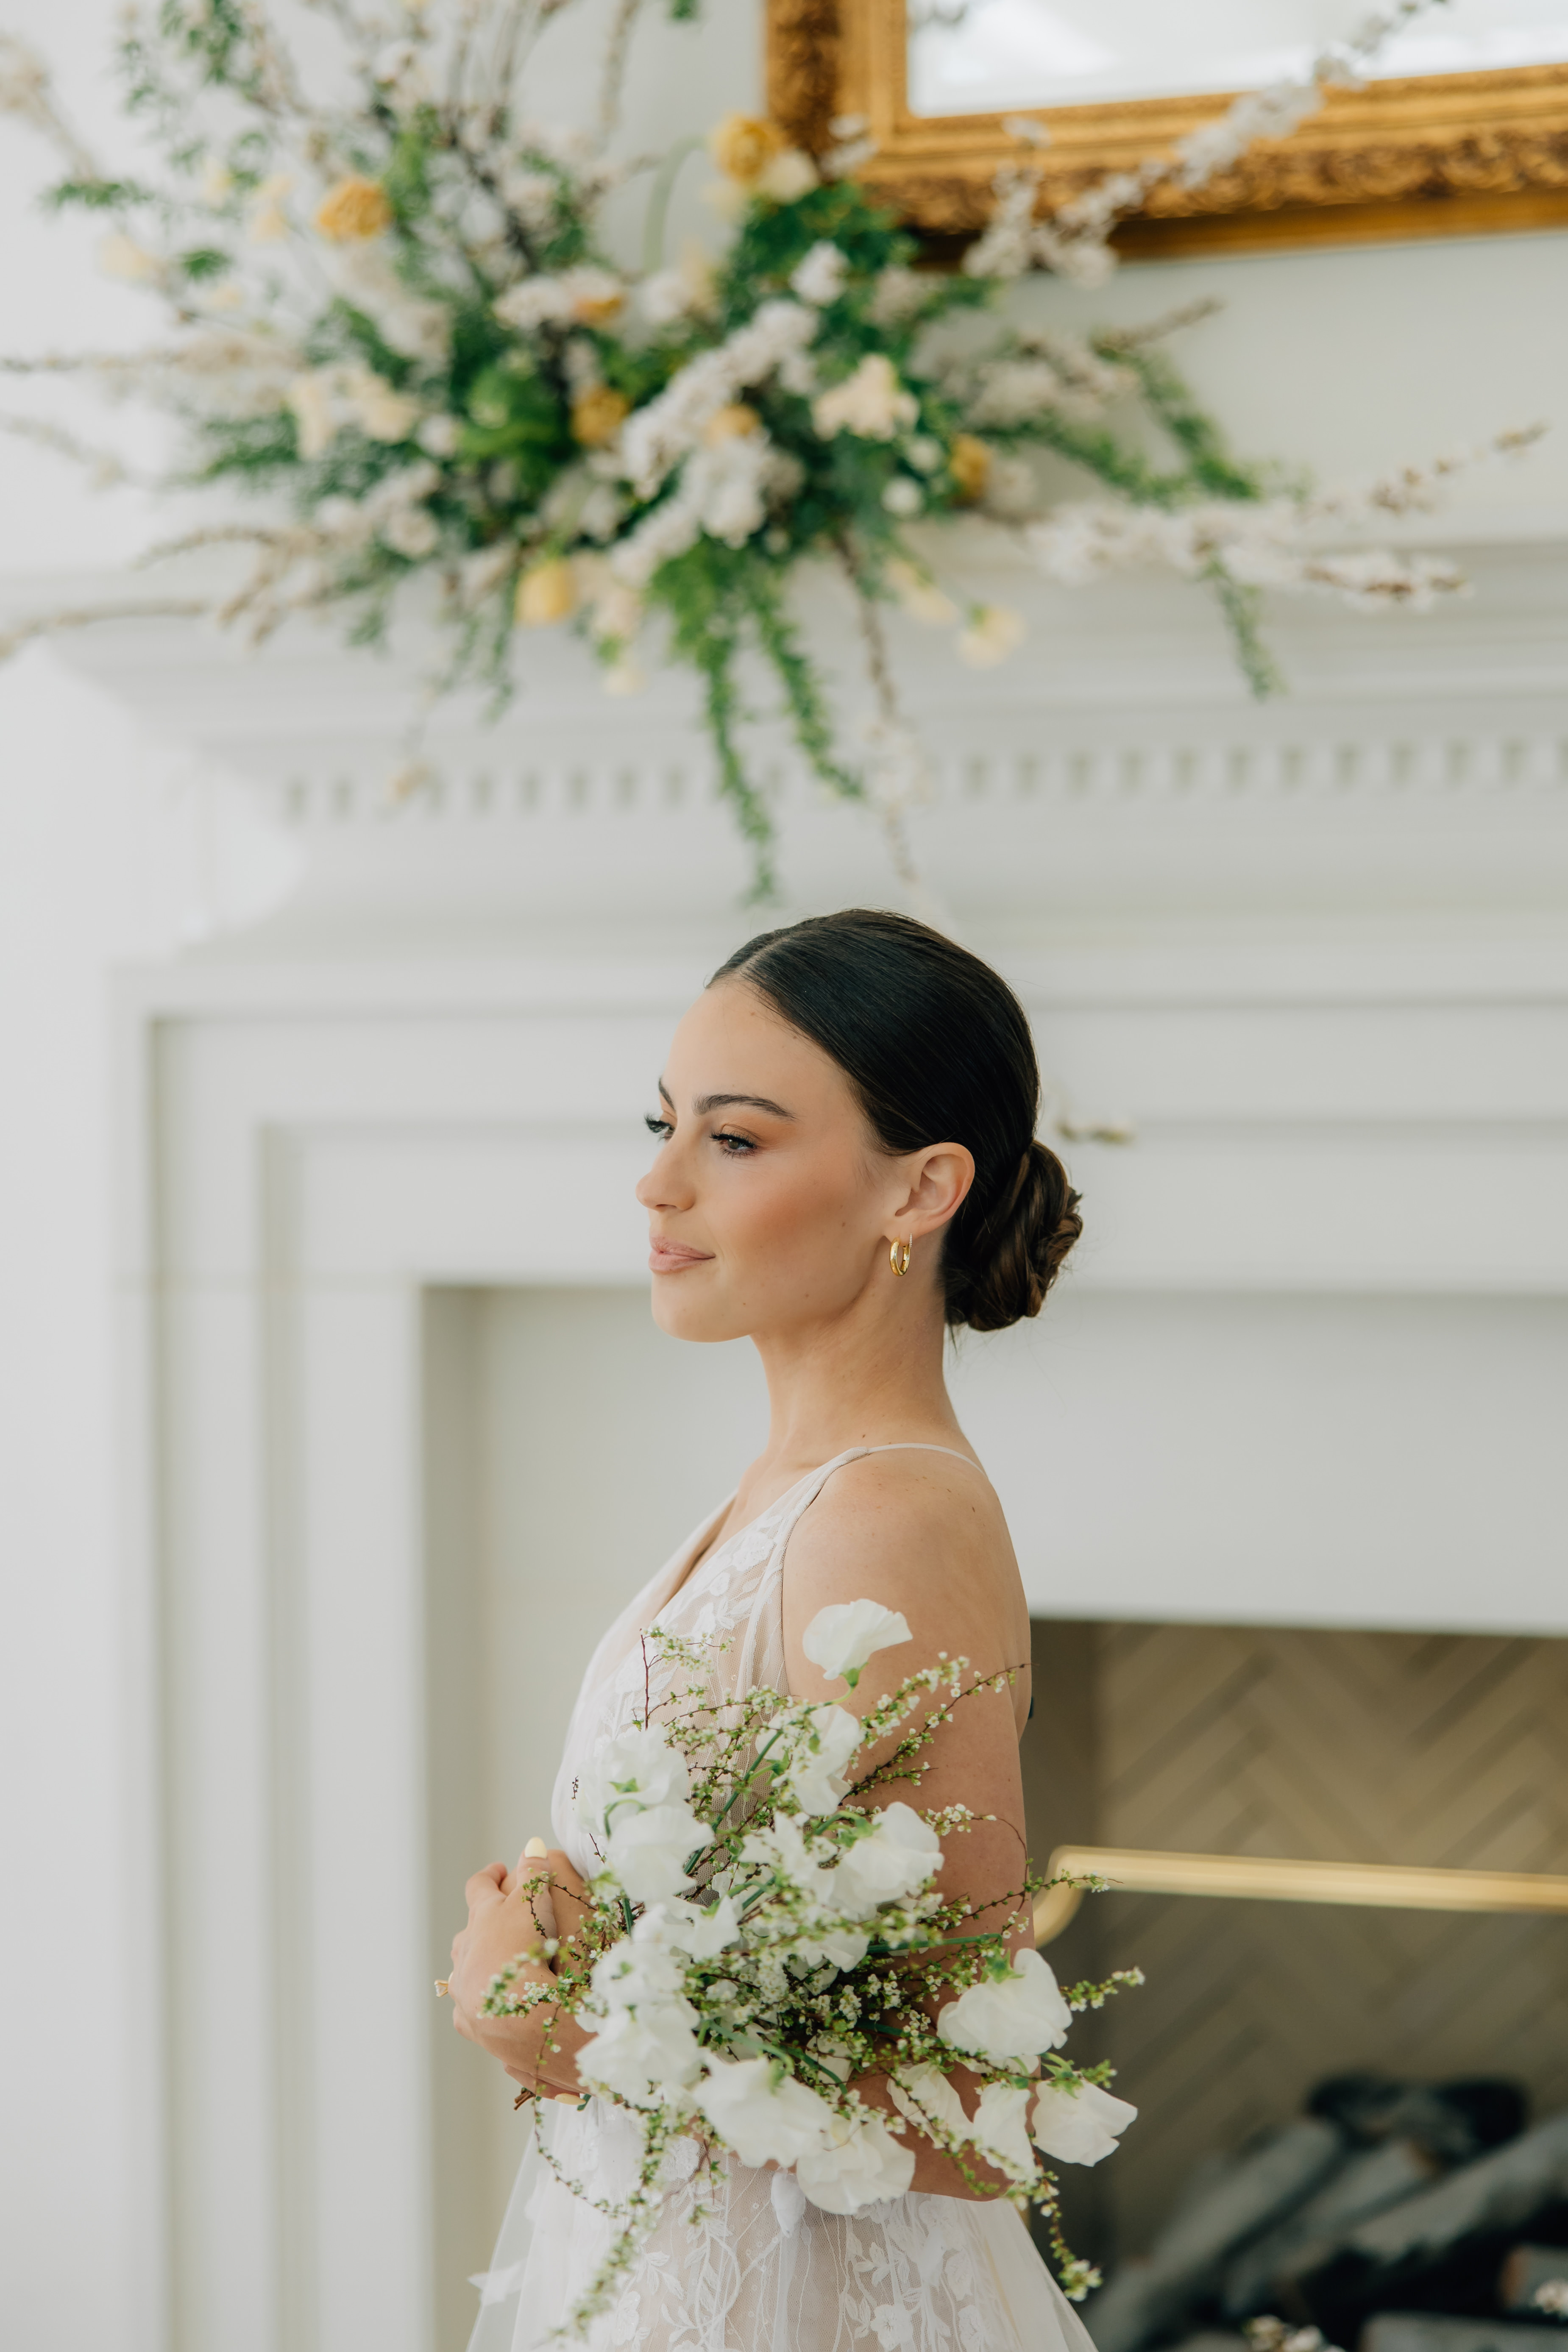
x=912 y=1445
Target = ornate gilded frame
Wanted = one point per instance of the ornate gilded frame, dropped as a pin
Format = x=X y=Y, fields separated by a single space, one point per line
x=1448 y=155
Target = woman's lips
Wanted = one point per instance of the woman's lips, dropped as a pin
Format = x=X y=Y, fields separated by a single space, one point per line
x=674 y=1257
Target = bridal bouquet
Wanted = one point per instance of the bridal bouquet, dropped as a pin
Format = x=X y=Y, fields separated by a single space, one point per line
x=394 y=307
x=761 y=1937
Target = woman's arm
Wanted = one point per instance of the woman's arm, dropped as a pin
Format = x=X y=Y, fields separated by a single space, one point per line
x=926 y=1537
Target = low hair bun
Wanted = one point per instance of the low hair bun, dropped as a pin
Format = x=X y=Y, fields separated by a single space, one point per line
x=937 y=1048
x=1000 y=1274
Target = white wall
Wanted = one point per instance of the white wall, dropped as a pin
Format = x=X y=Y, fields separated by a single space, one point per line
x=1349 y=361
x=92 y=871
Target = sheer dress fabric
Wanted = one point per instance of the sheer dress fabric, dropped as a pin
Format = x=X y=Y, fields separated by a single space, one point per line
x=763 y=2271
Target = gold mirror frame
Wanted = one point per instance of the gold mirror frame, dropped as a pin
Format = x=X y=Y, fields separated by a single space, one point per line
x=1261 y=1878
x=1449 y=154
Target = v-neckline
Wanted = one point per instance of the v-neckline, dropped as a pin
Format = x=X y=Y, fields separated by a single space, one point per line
x=703 y=1546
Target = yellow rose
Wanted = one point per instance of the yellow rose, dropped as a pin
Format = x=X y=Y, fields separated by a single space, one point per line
x=969 y=463
x=597 y=416
x=354 y=210
x=743 y=145
x=733 y=422
x=546 y=593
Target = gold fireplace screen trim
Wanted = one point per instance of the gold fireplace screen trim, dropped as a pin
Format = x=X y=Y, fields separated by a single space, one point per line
x=1377 y=1885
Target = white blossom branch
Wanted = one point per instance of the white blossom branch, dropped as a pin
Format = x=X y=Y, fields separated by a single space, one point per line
x=1074 y=241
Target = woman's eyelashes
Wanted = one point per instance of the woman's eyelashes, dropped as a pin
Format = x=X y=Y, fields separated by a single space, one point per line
x=734 y=1147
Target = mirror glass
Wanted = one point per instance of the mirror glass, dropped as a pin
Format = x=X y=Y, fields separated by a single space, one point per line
x=981 y=55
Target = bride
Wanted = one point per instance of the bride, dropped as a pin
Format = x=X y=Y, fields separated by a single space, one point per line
x=846 y=1168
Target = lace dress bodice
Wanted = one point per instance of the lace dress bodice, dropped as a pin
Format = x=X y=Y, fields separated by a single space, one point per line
x=747 y=2265
x=734 y=1592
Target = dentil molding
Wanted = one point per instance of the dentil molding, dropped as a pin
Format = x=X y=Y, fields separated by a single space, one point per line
x=1114 y=770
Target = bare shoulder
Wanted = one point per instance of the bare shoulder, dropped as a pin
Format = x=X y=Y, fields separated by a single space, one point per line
x=924 y=1534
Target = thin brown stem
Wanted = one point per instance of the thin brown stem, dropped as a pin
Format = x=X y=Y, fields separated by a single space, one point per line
x=48 y=624
x=615 y=73
x=879 y=669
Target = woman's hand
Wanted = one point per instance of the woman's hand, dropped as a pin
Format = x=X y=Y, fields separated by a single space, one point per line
x=510 y=1913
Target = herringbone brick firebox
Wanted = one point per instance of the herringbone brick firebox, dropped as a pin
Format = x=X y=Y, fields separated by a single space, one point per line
x=1334 y=1745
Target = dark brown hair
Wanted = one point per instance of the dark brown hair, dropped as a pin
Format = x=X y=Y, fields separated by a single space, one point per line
x=938 y=1049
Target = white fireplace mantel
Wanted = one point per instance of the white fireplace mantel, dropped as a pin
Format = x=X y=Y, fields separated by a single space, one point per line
x=1113 y=776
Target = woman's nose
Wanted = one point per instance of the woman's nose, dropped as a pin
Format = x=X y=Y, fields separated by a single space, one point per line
x=661 y=1188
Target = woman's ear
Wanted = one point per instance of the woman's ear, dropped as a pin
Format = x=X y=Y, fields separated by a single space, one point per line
x=939 y=1179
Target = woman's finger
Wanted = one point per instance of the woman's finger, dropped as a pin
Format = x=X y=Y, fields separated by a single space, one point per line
x=485 y=1884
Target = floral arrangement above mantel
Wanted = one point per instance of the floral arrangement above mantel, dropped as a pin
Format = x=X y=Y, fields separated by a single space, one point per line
x=399 y=317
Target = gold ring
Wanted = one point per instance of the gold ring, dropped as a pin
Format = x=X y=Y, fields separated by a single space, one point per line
x=443 y=1986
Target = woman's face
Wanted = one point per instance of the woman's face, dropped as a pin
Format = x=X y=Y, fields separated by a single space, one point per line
x=770 y=1204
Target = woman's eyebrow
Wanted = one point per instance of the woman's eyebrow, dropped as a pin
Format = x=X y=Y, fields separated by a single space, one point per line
x=705 y=1103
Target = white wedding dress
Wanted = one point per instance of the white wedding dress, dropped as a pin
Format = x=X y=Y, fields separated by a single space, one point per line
x=763 y=2271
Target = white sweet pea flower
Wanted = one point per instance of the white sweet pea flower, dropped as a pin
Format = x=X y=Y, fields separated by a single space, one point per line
x=819 y=279
x=648 y=2051
x=689 y=290
x=899 y=1854
x=860 y=2164
x=835 y=1947
x=816 y=1774
x=683 y=1928
x=377 y=408
x=841 y=1638
x=346 y=520
x=801 y=1861
x=583 y=295
x=439 y=436
x=1000 y=2132
x=638 y=1768
x=873 y=403
x=925 y=2091
x=763 y=2120
x=646 y=1851
x=635 y=1973
x=411 y=531
x=1016 y=2016
x=1078 y=2126
x=787 y=177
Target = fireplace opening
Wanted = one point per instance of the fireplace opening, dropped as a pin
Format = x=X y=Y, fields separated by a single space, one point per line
x=1352 y=2118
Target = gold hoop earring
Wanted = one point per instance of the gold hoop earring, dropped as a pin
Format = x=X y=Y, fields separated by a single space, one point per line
x=898 y=1254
